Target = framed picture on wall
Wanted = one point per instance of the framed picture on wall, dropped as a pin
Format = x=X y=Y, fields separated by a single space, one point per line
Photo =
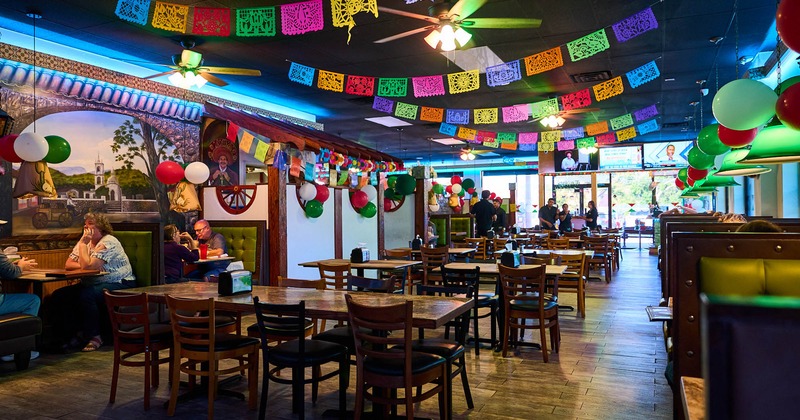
x=221 y=154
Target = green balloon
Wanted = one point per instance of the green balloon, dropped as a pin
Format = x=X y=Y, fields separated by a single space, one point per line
x=700 y=160
x=708 y=141
x=391 y=182
x=390 y=194
x=59 y=149
x=313 y=209
x=369 y=210
x=683 y=174
x=467 y=183
x=438 y=189
x=462 y=192
x=405 y=184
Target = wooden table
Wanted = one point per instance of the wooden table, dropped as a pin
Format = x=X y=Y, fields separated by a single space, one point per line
x=387 y=265
x=586 y=252
x=494 y=269
x=214 y=259
x=693 y=397
x=429 y=311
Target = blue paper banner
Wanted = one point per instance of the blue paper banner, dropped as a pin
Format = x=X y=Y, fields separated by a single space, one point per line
x=301 y=74
x=448 y=129
x=643 y=74
x=647 y=127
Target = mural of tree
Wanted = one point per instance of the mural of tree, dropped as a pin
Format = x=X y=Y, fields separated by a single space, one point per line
x=138 y=140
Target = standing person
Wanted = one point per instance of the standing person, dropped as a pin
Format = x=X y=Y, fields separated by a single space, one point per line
x=548 y=214
x=175 y=254
x=565 y=218
x=25 y=303
x=499 y=216
x=591 y=216
x=484 y=213
x=216 y=247
x=99 y=250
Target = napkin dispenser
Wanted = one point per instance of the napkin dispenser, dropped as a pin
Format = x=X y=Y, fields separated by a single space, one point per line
x=359 y=255
x=235 y=282
x=416 y=243
x=510 y=259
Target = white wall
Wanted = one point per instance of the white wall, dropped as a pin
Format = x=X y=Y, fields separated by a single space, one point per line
x=790 y=193
x=308 y=239
x=212 y=210
x=357 y=228
x=398 y=226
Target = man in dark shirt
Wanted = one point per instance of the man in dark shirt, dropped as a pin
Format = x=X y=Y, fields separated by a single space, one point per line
x=565 y=219
x=591 y=216
x=484 y=213
x=500 y=216
x=217 y=246
x=548 y=214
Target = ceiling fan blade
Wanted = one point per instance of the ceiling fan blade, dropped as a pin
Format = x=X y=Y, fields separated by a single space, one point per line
x=404 y=34
x=153 y=76
x=212 y=79
x=465 y=8
x=580 y=110
x=231 y=70
x=408 y=14
x=502 y=23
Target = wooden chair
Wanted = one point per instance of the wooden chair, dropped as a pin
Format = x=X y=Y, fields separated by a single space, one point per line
x=499 y=244
x=522 y=288
x=297 y=354
x=602 y=257
x=385 y=359
x=135 y=335
x=432 y=258
x=197 y=341
x=542 y=259
x=276 y=335
x=335 y=275
x=407 y=273
x=488 y=300
x=452 y=350
x=557 y=243
x=480 y=247
x=574 y=279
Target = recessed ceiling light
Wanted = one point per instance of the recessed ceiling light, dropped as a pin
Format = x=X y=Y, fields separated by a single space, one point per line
x=669 y=79
x=448 y=141
x=388 y=121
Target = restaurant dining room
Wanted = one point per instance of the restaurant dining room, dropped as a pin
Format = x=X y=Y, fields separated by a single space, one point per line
x=384 y=209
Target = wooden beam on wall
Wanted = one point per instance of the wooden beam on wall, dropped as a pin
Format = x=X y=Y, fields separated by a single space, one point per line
x=337 y=222
x=381 y=221
x=276 y=222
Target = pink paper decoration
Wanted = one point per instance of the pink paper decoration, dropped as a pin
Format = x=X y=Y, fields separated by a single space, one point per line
x=428 y=86
x=302 y=17
x=575 y=100
x=515 y=113
x=565 y=145
x=212 y=21
x=360 y=85
x=528 y=138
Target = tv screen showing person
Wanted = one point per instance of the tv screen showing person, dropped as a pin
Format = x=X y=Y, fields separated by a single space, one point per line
x=666 y=155
x=575 y=161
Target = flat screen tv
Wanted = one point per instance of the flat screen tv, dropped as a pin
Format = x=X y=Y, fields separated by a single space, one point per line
x=666 y=155
x=575 y=161
x=622 y=158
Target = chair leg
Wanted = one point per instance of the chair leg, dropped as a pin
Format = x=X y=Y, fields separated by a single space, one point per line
x=465 y=383
x=344 y=382
x=493 y=328
x=212 y=387
x=154 y=378
x=359 y=407
x=475 y=331
x=176 y=379
x=252 y=379
x=506 y=331
x=262 y=410
x=148 y=360
x=115 y=377
x=298 y=388
x=446 y=405
x=543 y=338
x=315 y=374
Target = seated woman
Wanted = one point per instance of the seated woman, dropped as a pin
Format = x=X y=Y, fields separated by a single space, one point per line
x=176 y=254
x=98 y=249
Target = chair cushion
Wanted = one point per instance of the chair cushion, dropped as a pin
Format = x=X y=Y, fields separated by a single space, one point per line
x=445 y=348
x=317 y=351
x=19 y=325
x=226 y=342
x=420 y=362
x=277 y=329
x=159 y=333
x=339 y=335
x=531 y=305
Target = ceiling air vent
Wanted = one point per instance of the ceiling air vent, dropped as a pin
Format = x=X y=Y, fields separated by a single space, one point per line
x=591 y=77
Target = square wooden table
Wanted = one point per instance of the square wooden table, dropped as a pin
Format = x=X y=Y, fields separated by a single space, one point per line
x=386 y=265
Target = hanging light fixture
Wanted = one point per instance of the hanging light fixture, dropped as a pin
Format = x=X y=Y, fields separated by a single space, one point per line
x=187 y=79
x=773 y=145
x=731 y=165
x=448 y=37
x=553 y=121
x=718 y=181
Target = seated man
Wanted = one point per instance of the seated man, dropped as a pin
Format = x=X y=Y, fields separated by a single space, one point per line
x=217 y=246
x=24 y=303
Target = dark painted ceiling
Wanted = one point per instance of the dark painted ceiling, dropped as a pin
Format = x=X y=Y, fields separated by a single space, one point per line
x=680 y=46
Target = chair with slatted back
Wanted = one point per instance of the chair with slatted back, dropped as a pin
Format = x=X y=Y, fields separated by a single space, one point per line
x=197 y=341
x=385 y=359
x=574 y=279
x=404 y=275
x=433 y=258
x=522 y=289
x=483 y=300
x=135 y=334
x=602 y=257
x=335 y=275
x=278 y=333
x=499 y=244
x=543 y=258
x=480 y=247
x=557 y=243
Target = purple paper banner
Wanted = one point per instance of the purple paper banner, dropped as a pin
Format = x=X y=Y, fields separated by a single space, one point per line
x=645 y=113
x=383 y=105
x=635 y=25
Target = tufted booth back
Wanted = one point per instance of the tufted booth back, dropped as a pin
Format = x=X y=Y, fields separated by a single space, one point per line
x=246 y=242
x=462 y=224
x=750 y=277
x=441 y=230
x=139 y=248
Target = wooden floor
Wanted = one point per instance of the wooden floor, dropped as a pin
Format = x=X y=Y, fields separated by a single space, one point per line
x=610 y=367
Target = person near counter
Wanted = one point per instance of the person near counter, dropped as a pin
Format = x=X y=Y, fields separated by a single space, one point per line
x=484 y=214
x=175 y=254
x=591 y=216
x=499 y=223
x=25 y=303
x=548 y=214
x=217 y=246
x=565 y=219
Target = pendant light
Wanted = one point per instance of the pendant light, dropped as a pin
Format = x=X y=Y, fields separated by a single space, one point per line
x=773 y=145
x=732 y=167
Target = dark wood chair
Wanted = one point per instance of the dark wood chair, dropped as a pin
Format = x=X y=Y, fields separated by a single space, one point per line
x=433 y=258
x=135 y=335
x=486 y=300
x=386 y=362
x=404 y=275
x=197 y=341
x=310 y=323
x=602 y=257
x=574 y=279
x=335 y=275
x=522 y=289
x=297 y=354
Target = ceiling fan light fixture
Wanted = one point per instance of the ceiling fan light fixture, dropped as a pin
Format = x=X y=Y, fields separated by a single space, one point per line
x=178 y=80
x=462 y=36
x=553 y=121
x=433 y=38
x=448 y=38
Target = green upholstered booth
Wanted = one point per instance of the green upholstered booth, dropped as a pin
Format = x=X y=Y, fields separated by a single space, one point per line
x=246 y=242
x=462 y=223
x=441 y=229
x=144 y=245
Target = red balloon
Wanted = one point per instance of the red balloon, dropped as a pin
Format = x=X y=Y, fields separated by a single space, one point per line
x=697 y=174
x=461 y=202
x=359 y=199
x=492 y=196
x=471 y=190
x=455 y=179
x=388 y=204
x=786 y=22
x=736 y=138
x=788 y=107
x=457 y=209
x=169 y=172
x=7 y=148
x=690 y=181
x=449 y=189
x=679 y=184
x=322 y=193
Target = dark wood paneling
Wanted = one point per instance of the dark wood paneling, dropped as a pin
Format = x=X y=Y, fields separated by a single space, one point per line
x=276 y=220
x=337 y=222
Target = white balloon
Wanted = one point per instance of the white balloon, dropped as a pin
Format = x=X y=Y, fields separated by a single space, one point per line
x=196 y=173
x=433 y=207
x=308 y=191
x=456 y=188
x=31 y=147
x=370 y=191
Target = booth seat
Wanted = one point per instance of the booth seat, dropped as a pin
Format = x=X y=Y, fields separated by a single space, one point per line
x=441 y=230
x=246 y=242
x=143 y=245
x=750 y=277
x=18 y=337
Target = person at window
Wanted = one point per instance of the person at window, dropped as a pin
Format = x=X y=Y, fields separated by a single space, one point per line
x=25 y=303
x=500 y=221
x=98 y=250
x=591 y=216
x=484 y=214
x=176 y=254
x=548 y=214
x=565 y=219
x=216 y=248
x=568 y=163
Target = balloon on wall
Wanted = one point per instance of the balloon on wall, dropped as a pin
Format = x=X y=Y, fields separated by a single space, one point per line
x=788 y=107
x=322 y=193
x=196 y=173
x=736 y=138
x=708 y=141
x=744 y=104
x=683 y=174
x=58 y=149
x=455 y=179
x=369 y=210
x=169 y=172
x=7 y=148
x=786 y=22
x=699 y=159
x=370 y=191
x=308 y=191
x=679 y=184
x=438 y=189
x=391 y=182
x=359 y=199
x=405 y=184
x=33 y=147
x=313 y=209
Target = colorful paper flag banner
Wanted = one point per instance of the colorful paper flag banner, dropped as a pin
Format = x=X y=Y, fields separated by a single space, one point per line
x=383 y=105
x=645 y=113
x=643 y=74
x=329 y=80
x=546 y=146
x=621 y=122
x=528 y=147
x=392 y=86
x=572 y=133
x=575 y=100
x=464 y=81
x=551 y=136
x=528 y=138
x=635 y=25
x=503 y=74
x=486 y=116
x=505 y=138
x=482 y=136
x=585 y=143
x=608 y=89
x=360 y=85
x=626 y=134
x=597 y=128
x=170 y=17
x=647 y=127
x=135 y=11
x=466 y=133
x=212 y=21
x=448 y=129
x=431 y=114
x=544 y=108
x=457 y=116
x=565 y=145
x=428 y=86
x=256 y=21
x=342 y=12
x=302 y=17
x=515 y=113
x=588 y=45
x=407 y=111
x=606 y=138
x=301 y=74
x=543 y=61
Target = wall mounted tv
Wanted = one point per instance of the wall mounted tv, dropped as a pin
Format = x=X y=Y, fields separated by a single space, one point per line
x=574 y=161
x=623 y=158
x=666 y=154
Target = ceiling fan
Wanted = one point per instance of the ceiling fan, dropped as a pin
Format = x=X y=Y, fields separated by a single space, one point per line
x=448 y=21
x=558 y=119
x=469 y=153
x=188 y=69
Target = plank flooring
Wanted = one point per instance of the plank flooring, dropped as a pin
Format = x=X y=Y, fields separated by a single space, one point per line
x=610 y=367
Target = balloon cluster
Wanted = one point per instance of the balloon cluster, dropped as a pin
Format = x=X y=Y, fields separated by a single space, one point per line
x=457 y=189
x=32 y=147
x=170 y=172
x=346 y=162
x=362 y=201
x=314 y=195
x=397 y=186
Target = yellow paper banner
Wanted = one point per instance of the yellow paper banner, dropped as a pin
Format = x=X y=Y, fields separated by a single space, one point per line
x=466 y=133
x=170 y=17
x=626 y=134
x=546 y=146
x=343 y=11
x=486 y=116
x=464 y=81
x=261 y=150
x=608 y=89
x=551 y=136
x=329 y=80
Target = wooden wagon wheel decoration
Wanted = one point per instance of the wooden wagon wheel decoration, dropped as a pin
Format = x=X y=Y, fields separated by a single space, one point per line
x=393 y=204
x=236 y=199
